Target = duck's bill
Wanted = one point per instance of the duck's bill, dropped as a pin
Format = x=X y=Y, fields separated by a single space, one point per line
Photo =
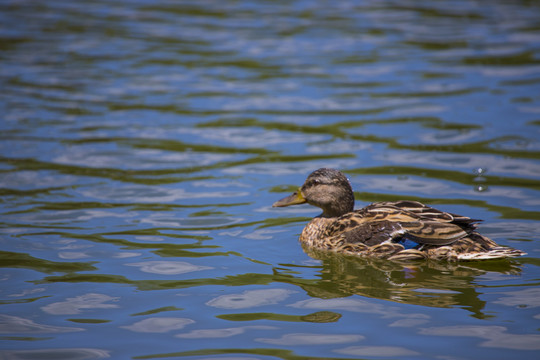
x=293 y=199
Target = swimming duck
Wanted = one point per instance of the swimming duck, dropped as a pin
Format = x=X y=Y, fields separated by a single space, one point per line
x=402 y=230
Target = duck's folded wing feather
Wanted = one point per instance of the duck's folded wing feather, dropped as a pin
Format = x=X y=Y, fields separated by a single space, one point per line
x=433 y=232
x=422 y=232
x=427 y=212
x=371 y=233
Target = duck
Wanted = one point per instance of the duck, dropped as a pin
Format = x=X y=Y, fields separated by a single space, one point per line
x=401 y=230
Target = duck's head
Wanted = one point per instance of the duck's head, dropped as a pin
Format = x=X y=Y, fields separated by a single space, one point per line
x=328 y=189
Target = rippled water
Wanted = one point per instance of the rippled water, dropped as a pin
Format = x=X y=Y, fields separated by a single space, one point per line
x=143 y=143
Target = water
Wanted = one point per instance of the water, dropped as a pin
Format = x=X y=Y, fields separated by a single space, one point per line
x=143 y=143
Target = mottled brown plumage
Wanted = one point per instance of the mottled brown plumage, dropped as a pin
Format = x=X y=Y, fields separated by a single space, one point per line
x=401 y=230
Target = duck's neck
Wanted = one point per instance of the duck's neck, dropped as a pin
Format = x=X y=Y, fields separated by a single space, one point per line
x=337 y=209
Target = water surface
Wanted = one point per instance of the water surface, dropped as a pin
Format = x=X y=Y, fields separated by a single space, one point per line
x=143 y=143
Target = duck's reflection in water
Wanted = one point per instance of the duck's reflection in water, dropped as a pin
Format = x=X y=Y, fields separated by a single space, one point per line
x=428 y=283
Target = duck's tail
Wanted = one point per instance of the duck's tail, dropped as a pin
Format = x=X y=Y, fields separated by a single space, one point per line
x=473 y=247
x=486 y=249
x=497 y=252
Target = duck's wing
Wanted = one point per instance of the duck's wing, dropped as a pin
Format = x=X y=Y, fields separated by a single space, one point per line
x=391 y=221
x=427 y=212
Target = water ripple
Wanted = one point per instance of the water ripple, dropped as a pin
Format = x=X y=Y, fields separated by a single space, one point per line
x=143 y=143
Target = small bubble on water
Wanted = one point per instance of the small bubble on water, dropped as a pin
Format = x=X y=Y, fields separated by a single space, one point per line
x=480 y=171
x=481 y=188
